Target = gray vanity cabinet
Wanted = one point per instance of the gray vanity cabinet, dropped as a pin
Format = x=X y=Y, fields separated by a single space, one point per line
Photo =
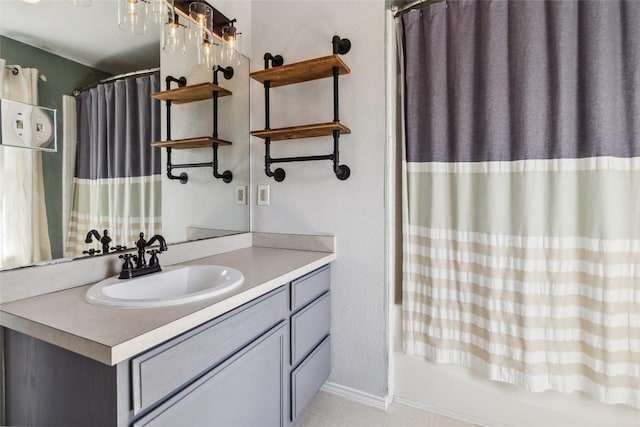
x=257 y=365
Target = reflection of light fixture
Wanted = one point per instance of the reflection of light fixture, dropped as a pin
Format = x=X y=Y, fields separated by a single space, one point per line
x=173 y=32
x=208 y=51
x=77 y=3
x=158 y=9
x=31 y=1
x=132 y=16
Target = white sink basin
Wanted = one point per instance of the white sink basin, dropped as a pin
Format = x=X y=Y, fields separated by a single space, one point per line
x=171 y=286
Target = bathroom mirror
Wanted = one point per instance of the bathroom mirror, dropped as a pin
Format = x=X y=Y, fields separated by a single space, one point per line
x=84 y=45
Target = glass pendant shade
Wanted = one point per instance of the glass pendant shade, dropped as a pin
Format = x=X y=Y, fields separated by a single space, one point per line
x=208 y=52
x=173 y=38
x=173 y=32
x=229 y=54
x=132 y=16
x=201 y=15
x=158 y=10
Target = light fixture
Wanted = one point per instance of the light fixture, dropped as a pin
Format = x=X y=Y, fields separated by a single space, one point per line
x=173 y=32
x=229 y=54
x=77 y=3
x=201 y=15
x=31 y=1
x=132 y=16
x=229 y=33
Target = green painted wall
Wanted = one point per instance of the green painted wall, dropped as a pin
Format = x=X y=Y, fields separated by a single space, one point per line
x=63 y=77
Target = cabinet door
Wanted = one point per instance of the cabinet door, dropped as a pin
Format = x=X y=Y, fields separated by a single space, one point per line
x=246 y=390
x=158 y=373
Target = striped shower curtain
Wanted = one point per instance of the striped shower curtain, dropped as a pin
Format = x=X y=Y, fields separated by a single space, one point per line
x=117 y=182
x=522 y=192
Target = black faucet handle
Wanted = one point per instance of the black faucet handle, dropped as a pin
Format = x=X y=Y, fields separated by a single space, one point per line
x=119 y=248
x=91 y=252
x=127 y=264
x=153 y=260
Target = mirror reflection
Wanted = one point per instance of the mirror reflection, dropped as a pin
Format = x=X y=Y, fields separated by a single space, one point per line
x=104 y=174
x=27 y=126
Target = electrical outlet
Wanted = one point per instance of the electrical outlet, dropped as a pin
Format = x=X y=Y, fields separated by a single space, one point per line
x=241 y=194
x=263 y=195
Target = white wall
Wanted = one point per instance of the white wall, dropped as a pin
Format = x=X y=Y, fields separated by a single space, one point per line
x=311 y=199
x=205 y=201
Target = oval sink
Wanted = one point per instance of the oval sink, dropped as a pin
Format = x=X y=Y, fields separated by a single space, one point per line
x=171 y=286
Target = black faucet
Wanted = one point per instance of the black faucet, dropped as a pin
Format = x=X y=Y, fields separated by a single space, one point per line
x=141 y=268
x=104 y=239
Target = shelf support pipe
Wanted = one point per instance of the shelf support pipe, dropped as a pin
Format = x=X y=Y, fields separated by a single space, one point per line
x=279 y=173
x=342 y=171
x=183 y=177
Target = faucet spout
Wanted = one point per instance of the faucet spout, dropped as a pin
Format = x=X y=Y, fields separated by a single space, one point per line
x=157 y=238
x=92 y=233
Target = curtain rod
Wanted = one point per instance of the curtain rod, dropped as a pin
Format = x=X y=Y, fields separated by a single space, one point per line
x=397 y=11
x=118 y=77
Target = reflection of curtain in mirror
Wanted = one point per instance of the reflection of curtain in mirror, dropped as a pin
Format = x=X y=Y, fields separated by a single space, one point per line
x=117 y=175
x=23 y=215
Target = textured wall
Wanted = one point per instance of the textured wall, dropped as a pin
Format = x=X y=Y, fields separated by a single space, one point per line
x=311 y=199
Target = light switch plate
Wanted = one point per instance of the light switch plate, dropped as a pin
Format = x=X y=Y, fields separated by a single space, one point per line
x=263 y=195
x=241 y=195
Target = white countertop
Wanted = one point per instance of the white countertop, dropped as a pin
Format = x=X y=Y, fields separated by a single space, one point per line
x=112 y=335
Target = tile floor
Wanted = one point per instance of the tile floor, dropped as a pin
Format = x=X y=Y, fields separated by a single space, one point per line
x=327 y=410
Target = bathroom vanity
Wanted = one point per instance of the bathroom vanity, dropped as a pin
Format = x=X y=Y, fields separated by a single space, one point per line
x=255 y=357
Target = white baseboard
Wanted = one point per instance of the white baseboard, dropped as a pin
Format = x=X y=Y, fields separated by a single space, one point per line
x=357 y=395
x=448 y=413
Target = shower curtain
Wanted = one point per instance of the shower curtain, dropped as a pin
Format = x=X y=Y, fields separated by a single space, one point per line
x=522 y=227
x=23 y=214
x=117 y=175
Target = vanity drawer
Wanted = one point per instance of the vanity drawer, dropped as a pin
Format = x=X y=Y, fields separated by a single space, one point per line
x=307 y=378
x=307 y=288
x=158 y=372
x=309 y=326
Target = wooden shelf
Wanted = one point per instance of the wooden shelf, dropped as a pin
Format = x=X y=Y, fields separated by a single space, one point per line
x=312 y=69
x=304 y=131
x=179 y=144
x=192 y=93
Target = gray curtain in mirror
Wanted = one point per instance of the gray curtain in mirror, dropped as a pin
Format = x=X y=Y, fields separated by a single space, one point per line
x=522 y=238
x=117 y=177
